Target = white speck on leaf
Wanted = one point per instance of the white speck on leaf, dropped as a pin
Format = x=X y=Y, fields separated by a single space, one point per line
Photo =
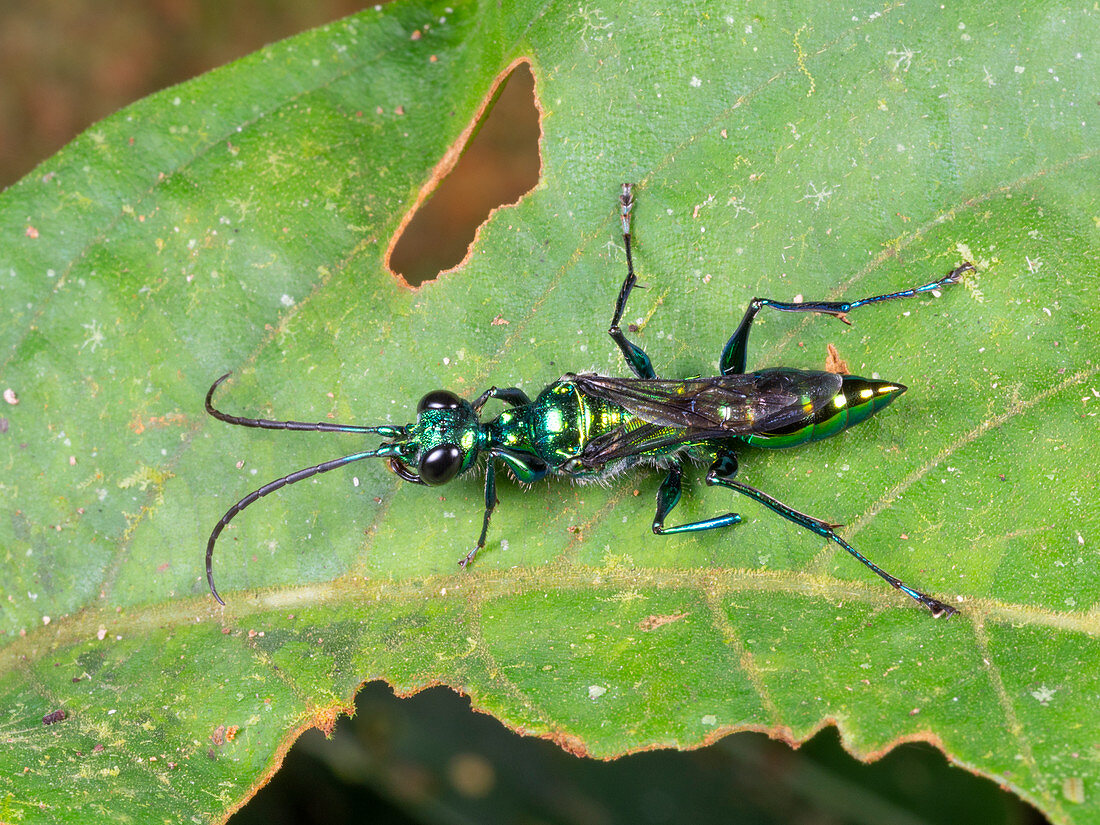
x=1044 y=694
x=95 y=336
x=818 y=196
x=904 y=57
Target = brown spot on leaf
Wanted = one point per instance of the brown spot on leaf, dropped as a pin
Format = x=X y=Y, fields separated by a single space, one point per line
x=653 y=622
x=834 y=363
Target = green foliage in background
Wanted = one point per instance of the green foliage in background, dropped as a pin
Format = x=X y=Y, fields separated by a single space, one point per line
x=240 y=222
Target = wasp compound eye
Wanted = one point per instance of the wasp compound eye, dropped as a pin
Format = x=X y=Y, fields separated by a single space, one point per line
x=440 y=464
x=439 y=400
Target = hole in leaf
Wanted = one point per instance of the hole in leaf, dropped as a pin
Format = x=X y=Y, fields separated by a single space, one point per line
x=499 y=165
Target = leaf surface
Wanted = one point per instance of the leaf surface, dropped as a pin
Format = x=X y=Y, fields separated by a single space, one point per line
x=241 y=221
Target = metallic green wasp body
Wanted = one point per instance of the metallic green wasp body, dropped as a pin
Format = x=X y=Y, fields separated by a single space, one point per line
x=592 y=427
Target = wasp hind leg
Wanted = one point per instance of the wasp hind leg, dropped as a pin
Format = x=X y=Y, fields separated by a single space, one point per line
x=735 y=353
x=721 y=475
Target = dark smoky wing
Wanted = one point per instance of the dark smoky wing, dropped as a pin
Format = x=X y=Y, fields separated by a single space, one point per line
x=632 y=441
x=693 y=403
x=787 y=396
x=722 y=405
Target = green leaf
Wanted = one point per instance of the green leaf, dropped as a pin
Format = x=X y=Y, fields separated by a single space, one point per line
x=241 y=221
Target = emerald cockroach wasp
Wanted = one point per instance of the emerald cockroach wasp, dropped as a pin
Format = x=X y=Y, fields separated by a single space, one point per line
x=591 y=427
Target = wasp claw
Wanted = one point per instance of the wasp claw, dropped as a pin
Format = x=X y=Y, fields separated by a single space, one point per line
x=939 y=609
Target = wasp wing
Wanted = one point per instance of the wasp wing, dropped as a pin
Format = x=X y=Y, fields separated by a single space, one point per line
x=723 y=405
x=673 y=414
x=636 y=439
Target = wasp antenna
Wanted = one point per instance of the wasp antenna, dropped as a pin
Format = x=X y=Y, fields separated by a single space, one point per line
x=299 y=475
x=299 y=426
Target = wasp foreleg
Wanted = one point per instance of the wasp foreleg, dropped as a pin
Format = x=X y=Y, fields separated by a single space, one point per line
x=490 y=505
x=512 y=396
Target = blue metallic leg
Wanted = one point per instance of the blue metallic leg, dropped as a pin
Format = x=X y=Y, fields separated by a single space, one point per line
x=669 y=496
x=735 y=353
x=720 y=475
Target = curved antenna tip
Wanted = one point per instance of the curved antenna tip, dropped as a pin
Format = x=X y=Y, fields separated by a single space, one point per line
x=209 y=403
x=210 y=578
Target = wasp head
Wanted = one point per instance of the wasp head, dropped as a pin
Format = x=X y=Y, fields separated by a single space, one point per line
x=443 y=442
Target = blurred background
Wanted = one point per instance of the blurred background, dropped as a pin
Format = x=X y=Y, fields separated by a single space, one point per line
x=428 y=759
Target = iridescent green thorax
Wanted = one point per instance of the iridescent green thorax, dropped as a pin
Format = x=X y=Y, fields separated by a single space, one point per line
x=558 y=424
